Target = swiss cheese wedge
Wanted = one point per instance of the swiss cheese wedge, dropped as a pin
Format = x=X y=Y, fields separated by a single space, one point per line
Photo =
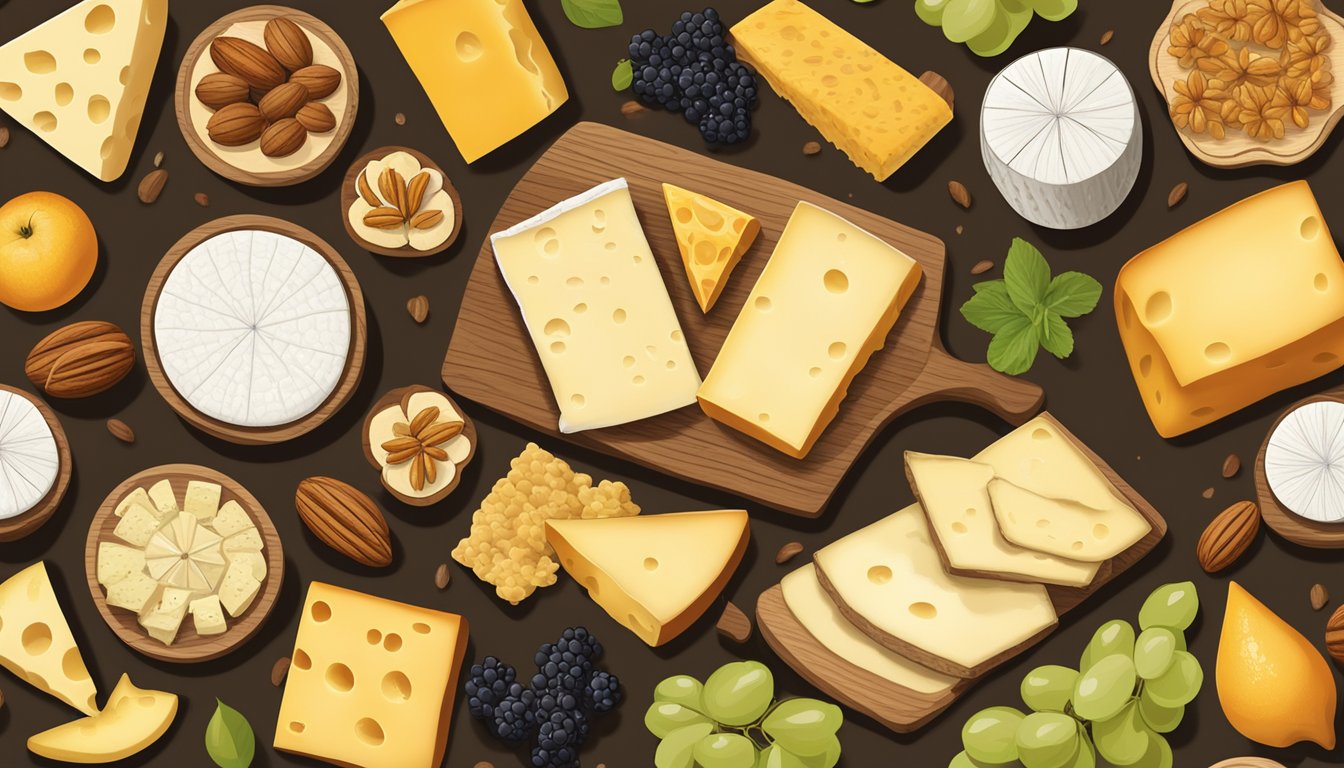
x=133 y=720
x=655 y=574
x=712 y=237
x=36 y=643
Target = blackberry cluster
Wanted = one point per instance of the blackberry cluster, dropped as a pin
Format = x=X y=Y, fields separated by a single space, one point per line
x=694 y=71
x=566 y=692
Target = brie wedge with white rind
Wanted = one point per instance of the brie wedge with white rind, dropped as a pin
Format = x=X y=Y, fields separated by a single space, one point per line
x=253 y=328
x=29 y=459
x=1304 y=461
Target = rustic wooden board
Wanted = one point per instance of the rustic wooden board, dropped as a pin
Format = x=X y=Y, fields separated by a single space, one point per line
x=910 y=710
x=189 y=646
x=15 y=528
x=1237 y=150
x=354 y=362
x=349 y=192
x=1289 y=525
x=491 y=358
x=400 y=397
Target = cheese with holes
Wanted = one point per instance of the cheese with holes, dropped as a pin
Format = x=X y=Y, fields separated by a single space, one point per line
x=861 y=101
x=30 y=461
x=36 y=643
x=597 y=310
x=711 y=236
x=79 y=80
x=133 y=719
x=655 y=574
x=1232 y=309
x=954 y=494
x=483 y=64
x=888 y=580
x=371 y=681
x=1062 y=527
x=825 y=303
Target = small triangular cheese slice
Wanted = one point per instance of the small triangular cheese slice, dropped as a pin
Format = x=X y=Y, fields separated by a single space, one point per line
x=655 y=574
x=80 y=79
x=133 y=719
x=712 y=237
x=36 y=643
x=1062 y=526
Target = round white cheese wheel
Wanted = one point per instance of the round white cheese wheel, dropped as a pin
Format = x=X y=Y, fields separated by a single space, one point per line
x=1061 y=137
x=253 y=328
x=1304 y=462
x=29 y=459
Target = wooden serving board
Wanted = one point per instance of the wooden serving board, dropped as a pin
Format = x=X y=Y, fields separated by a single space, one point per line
x=15 y=528
x=900 y=708
x=1289 y=525
x=1237 y=150
x=189 y=646
x=491 y=358
x=349 y=192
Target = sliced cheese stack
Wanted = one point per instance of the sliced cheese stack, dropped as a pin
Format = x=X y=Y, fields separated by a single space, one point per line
x=133 y=719
x=712 y=236
x=29 y=459
x=1243 y=304
x=36 y=643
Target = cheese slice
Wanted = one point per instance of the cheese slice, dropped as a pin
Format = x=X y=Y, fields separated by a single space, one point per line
x=712 y=236
x=1062 y=527
x=887 y=579
x=80 y=79
x=862 y=102
x=231 y=519
x=597 y=310
x=133 y=719
x=655 y=574
x=483 y=64
x=164 y=499
x=136 y=498
x=825 y=303
x=36 y=643
x=954 y=494
x=818 y=614
x=117 y=562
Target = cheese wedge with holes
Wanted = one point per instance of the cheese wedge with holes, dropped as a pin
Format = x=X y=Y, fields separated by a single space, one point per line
x=79 y=80
x=655 y=574
x=887 y=580
x=1230 y=310
x=133 y=720
x=597 y=310
x=711 y=236
x=36 y=643
x=825 y=303
x=1062 y=527
x=372 y=681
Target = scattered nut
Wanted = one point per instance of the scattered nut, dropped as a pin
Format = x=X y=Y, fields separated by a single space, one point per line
x=1231 y=465
x=960 y=194
x=1208 y=493
x=1107 y=35
x=418 y=306
x=4 y=137
x=960 y=229
x=121 y=430
x=80 y=359
x=633 y=107
x=812 y=148
x=345 y=519
x=734 y=624
x=158 y=159
x=316 y=117
x=320 y=80
x=981 y=267
x=288 y=43
x=484 y=764
x=283 y=138
x=442 y=576
x=202 y=199
x=1334 y=634
x=1177 y=194
x=152 y=186
x=788 y=552
x=235 y=125
x=220 y=89
x=1228 y=537
x=279 y=671
x=399 y=119
x=1319 y=597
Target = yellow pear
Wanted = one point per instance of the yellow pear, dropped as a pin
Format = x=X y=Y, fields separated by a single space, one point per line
x=1274 y=686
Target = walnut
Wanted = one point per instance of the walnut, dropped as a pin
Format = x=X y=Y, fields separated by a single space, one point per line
x=1228 y=18
x=1238 y=68
x=1198 y=105
x=1254 y=110
x=1192 y=43
x=1291 y=100
x=1275 y=23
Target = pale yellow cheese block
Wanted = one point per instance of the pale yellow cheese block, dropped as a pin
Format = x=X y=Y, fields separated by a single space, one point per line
x=1062 y=527
x=36 y=643
x=133 y=719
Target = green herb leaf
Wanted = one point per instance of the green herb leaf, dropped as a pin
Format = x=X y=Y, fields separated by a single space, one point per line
x=229 y=739
x=623 y=75
x=1055 y=335
x=1026 y=274
x=990 y=309
x=593 y=14
x=1072 y=294
x=1013 y=348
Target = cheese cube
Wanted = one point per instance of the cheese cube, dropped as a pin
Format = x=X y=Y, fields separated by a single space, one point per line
x=373 y=681
x=53 y=665
x=255 y=562
x=116 y=562
x=207 y=615
x=247 y=540
x=164 y=498
x=134 y=593
x=164 y=620
x=133 y=719
x=1232 y=309
x=712 y=236
x=202 y=500
x=238 y=589
x=826 y=301
x=136 y=527
x=137 y=497
x=231 y=519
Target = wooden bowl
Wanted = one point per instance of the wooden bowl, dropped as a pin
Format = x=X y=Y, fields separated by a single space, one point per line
x=1280 y=519
x=1238 y=150
x=398 y=396
x=15 y=528
x=216 y=157
x=349 y=192
x=189 y=646
x=234 y=433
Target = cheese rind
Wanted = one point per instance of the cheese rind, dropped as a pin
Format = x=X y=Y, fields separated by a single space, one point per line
x=133 y=719
x=36 y=643
x=712 y=236
x=1062 y=527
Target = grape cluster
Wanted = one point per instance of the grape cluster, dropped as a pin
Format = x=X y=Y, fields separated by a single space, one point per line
x=988 y=29
x=566 y=692
x=694 y=71
x=1128 y=690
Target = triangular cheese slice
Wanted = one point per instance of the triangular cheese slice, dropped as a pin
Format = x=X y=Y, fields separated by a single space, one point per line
x=1062 y=526
x=79 y=80
x=133 y=719
x=36 y=643
x=712 y=237
x=655 y=574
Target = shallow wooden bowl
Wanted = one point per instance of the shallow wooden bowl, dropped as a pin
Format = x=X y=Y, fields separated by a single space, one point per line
x=15 y=528
x=349 y=192
x=395 y=397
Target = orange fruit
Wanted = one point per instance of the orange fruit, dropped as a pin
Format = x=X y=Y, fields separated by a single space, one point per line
x=48 y=251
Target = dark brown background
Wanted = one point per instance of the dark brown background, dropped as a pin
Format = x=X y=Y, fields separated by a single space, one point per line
x=1092 y=392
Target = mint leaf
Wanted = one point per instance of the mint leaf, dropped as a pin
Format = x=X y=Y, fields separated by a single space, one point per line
x=1072 y=294
x=593 y=14
x=1055 y=335
x=623 y=75
x=1026 y=274
x=229 y=739
x=990 y=308
x=1013 y=348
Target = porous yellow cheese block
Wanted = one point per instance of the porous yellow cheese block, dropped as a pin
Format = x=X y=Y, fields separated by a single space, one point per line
x=372 y=681
x=655 y=574
x=36 y=643
x=861 y=101
x=825 y=303
x=483 y=64
x=712 y=236
x=133 y=719
x=1232 y=309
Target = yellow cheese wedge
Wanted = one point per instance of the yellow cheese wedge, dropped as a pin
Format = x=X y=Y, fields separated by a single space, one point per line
x=862 y=102
x=655 y=574
x=36 y=643
x=79 y=80
x=133 y=720
x=1243 y=304
x=1062 y=527
x=712 y=237
x=483 y=64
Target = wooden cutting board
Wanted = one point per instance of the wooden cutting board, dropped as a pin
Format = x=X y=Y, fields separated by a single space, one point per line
x=491 y=358
x=1289 y=525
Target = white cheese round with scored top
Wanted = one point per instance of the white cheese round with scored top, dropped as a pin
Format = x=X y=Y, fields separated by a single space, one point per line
x=29 y=458
x=1304 y=461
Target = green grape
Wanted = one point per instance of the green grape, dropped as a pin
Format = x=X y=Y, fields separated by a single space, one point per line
x=666 y=717
x=738 y=694
x=1159 y=718
x=1154 y=651
x=931 y=11
x=679 y=689
x=803 y=726
x=964 y=19
x=1179 y=685
x=963 y=760
x=1123 y=739
x=677 y=749
x=1113 y=637
x=1055 y=10
x=1047 y=740
x=1171 y=605
x=725 y=750
x=1014 y=15
x=1158 y=754
x=1048 y=688
x=1102 y=690
x=990 y=736
x=775 y=756
x=1086 y=756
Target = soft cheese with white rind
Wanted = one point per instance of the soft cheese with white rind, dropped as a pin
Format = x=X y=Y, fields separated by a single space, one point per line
x=1304 y=461
x=29 y=459
x=36 y=643
x=131 y=722
x=1062 y=527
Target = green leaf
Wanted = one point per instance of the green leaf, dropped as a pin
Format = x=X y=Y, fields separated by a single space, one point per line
x=228 y=738
x=1072 y=294
x=1055 y=335
x=623 y=75
x=593 y=14
x=990 y=308
x=1013 y=348
x=1026 y=274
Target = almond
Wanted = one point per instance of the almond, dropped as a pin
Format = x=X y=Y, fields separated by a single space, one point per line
x=415 y=192
x=283 y=138
x=788 y=552
x=442 y=576
x=1334 y=634
x=366 y=191
x=812 y=148
x=288 y=43
x=633 y=108
x=427 y=219
x=283 y=101
x=235 y=125
x=247 y=60
x=345 y=519
x=1177 y=194
x=220 y=89
x=121 y=430
x=320 y=80
x=152 y=186
x=279 y=670
x=393 y=189
x=418 y=307
x=960 y=194
x=1228 y=537
x=316 y=117
x=981 y=267
x=383 y=217
x=81 y=359
x=1231 y=466
x=1318 y=596
x=734 y=624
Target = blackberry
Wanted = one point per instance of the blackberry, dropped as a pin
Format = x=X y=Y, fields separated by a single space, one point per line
x=566 y=664
x=603 y=692
x=564 y=757
x=562 y=724
x=515 y=717
x=487 y=685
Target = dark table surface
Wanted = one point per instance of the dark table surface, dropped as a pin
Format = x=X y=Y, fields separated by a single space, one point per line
x=1092 y=392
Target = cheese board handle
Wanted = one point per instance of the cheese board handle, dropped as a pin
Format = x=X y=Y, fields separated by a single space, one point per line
x=946 y=378
x=939 y=85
